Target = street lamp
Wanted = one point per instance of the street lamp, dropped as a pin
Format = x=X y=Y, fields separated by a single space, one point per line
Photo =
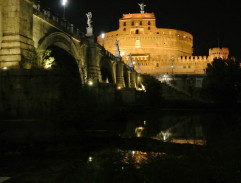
x=64 y=2
x=103 y=38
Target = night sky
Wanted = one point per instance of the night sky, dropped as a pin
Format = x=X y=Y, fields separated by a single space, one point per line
x=211 y=22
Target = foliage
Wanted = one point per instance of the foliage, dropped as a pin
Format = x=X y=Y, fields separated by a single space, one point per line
x=44 y=59
x=223 y=81
x=153 y=90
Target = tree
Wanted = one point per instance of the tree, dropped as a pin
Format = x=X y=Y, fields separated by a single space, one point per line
x=223 y=81
x=44 y=59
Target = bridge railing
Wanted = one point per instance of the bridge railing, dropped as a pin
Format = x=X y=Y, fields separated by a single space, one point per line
x=58 y=22
x=113 y=57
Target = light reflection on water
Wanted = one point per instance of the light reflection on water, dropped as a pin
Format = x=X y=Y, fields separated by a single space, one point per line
x=139 y=157
x=177 y=128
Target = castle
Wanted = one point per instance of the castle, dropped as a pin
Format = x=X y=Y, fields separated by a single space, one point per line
x=157 y=50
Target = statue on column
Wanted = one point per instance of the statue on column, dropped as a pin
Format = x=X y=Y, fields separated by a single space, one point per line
x=117 y=51
x=89 y=22
x=142 y=6
x=131 y=62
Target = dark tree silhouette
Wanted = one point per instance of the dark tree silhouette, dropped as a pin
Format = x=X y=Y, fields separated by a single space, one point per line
x=153 y=90
x=223 y=81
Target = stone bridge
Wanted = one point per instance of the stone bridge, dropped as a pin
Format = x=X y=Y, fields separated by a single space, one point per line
x=24 y=27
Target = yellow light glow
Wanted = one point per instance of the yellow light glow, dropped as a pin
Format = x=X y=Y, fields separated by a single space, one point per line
x=90 y=83
x=5 y=68
x=139 y=130
x=119 y=87
x=48 y=65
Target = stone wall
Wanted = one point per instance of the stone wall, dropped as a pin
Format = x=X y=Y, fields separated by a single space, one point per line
x=31 y=93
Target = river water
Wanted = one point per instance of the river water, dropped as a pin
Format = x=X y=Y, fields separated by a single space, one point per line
x=214 y=158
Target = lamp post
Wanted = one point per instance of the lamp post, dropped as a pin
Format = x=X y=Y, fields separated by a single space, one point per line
x=103 y=38
x=64 y=2
x=172 y=60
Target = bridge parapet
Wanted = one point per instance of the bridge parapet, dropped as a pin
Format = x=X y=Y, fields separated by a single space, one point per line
x=58 y=22
x=114 y=58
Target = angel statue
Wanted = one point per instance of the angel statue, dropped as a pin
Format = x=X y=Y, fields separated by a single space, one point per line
x=117 y=44
x=142 y=6
x=131 y=62
x=89 y=17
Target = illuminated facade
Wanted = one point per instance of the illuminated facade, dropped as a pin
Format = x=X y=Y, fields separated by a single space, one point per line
x=157 y=50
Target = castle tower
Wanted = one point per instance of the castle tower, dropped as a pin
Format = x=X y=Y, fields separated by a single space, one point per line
x=222 y=53
x=16 y=32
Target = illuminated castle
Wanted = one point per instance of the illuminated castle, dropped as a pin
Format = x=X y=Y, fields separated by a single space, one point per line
x=157 y=50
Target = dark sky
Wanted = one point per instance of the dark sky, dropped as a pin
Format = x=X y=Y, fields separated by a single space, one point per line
x=208 y=21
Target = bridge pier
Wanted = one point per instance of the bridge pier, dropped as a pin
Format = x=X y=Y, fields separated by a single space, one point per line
x=93 y=63
x=133 y=79
x=16 y=33
x=120 y=83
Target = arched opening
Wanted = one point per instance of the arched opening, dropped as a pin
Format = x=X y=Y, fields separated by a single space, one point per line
x=137 y=31
x=66 y=73
x=106 y=71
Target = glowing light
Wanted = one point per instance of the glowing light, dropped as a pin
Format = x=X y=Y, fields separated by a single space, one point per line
x=64 y=2
x=48 y=65
x=119 y=87
x=164 y=137
x=134 y=62
x=90 y=159
x=139 y=131
x=90 y=83
x=122 y=53
x=133 y=153
x=102 y=35
x=5 y=68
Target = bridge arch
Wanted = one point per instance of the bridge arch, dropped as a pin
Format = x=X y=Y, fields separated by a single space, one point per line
x=66 y=43
x=61 y=40
x=106 y=70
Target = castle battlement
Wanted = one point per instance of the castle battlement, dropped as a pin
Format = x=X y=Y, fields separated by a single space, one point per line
x=138 y=16
x=191 y=59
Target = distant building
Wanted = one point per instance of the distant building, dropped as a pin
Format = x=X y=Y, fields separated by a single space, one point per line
x=157 y=50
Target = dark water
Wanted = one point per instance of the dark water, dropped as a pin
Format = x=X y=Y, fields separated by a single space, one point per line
x=104 y=157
